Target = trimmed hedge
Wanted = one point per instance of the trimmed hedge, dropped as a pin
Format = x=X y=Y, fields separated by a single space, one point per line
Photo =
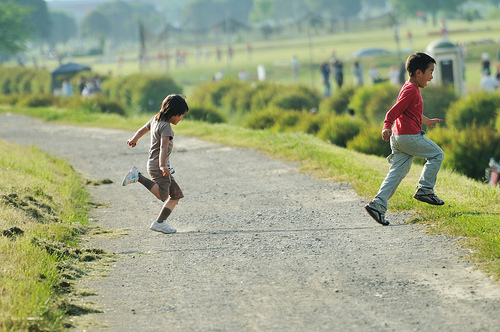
x=476 y=110
x=468 y=151
x=204 y=113
x=341 y=129
x=373 y=101
x=20 y=80
x=143 y=93
x=369 y=141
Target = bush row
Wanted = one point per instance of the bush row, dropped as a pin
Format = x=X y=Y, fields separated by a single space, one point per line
x=95 y=104
x=298 y=108
x=19 y=80
x=141 y=93
x=138 y=92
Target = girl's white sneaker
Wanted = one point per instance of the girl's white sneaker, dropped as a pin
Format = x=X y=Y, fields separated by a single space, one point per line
x=162 y=227
x=131 y=177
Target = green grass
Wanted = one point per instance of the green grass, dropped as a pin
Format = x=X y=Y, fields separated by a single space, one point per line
x=472 y=208
x=43 y=209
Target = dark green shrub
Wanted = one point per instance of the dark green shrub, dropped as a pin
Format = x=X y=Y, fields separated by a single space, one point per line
x=372 y=102
x=296 y=98
x=443 y=136
x=369 y=141
x=437 y=101
x=149 y=91
x=238 y=98
x=15 y=76
x=9 y=99
x=100 y=104
x=311 y=123
x=471 y=150
x=36 y=101
x=338 y=103
x=288 y=121
x=40 y=83
x=213 y=93
x=341 y=129
x=24 y=81
x=263 y=95
x=139 y=91
x=6 y=75
x=478 y=109
x=263 y=119
x=201 y=95
x=204 y=113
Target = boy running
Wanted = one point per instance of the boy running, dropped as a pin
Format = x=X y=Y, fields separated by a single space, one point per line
x=408 y=141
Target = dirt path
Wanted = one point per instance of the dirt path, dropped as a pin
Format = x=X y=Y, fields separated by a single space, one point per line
x=260 y=247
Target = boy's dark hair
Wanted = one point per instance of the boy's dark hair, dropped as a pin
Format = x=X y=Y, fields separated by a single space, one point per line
x=418 y=61
x=171 y=106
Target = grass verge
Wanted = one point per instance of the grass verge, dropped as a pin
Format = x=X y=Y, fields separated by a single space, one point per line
x=472 y=208
x=43 y=211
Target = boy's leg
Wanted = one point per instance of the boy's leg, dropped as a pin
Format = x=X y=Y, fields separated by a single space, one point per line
x=401 y=164
x=425 y=148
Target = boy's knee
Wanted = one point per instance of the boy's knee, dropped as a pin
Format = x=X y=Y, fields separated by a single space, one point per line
x=440 y=156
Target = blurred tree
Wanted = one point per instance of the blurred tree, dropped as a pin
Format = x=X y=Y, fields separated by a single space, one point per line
x=123 y=18
x=63 y=28
x=262 y=10
x=335 y=9
x=38 y=20
x=428 y=6
x=95 y=23
x=13 y=31
x=199 y=15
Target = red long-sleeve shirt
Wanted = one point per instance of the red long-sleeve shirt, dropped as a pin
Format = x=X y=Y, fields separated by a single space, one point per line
x=407 y=112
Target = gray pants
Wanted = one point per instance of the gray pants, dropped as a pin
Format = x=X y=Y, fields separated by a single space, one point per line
x=404 y=149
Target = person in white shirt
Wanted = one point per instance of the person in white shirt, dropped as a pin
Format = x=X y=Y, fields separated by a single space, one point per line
x=488 y=82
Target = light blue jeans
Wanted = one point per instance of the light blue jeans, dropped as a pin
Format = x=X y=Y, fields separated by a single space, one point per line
x=404 y=149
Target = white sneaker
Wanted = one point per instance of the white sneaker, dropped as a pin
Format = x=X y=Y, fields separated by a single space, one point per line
x=162 y=227
x=131 y=177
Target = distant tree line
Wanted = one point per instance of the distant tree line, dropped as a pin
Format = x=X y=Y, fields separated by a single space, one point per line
x=118 y=21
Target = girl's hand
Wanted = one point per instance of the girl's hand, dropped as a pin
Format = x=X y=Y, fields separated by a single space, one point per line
x=165 y=170
x=131 y=143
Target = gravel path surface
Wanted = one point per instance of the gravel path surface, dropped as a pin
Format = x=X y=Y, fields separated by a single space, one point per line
x=260 y=247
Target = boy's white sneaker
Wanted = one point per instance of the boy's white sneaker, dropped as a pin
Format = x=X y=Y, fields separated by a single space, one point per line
x=131 y=177
x=162 y=227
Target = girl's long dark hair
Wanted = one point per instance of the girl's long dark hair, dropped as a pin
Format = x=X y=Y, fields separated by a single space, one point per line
x=171 y=106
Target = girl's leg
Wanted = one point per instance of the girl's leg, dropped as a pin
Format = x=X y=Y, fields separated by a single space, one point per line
x=166 y=210
x=150 y=185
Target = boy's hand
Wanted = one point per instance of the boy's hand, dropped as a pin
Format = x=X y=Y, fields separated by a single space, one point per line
x=432 y=122
x=386 y=134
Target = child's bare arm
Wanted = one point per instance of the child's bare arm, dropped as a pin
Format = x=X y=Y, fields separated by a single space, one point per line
x=430 y=122
x=163 y=155
x=138 y=134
